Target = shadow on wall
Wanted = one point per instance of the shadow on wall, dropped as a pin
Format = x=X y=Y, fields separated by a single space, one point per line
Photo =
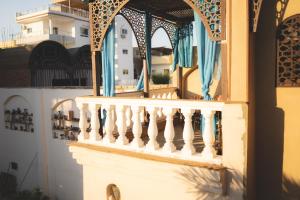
x=211 y=184
x=269 y=120
x=290 y=188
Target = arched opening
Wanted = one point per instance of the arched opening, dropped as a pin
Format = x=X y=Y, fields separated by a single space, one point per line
x=162 y=57
x=50 y=64
x=128 y=62
x=65 y=119
x=18 y=114
x=113 y=192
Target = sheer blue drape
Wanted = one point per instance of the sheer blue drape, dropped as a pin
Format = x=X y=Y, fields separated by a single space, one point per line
x=148 y=27
x=108 y=62
x=183 y=50
x=208 y=56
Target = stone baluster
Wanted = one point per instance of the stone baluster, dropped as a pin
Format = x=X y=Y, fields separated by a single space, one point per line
x=208 y=134
x=95 y=125
x=169 y=95
x=159 y=110
x=82 y=122
x=152 y=144
x=188 y=132
x=142 y=116
x=121 y=123
x=109 y=125
x=164 y=96
x=137 y=142
x=169 y=132
x=128 y=117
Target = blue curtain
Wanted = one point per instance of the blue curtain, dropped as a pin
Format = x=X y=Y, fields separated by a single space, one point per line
x=148 y=27
x=183 y=50
x=208 y=51
x=108 y=62
x=208 y=56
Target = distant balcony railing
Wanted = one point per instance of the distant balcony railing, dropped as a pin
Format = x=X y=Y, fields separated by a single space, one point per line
x=36 y=37
x=56 y=8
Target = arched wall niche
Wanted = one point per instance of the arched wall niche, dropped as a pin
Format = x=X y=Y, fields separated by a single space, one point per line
x=65 y=120
x=18 y=114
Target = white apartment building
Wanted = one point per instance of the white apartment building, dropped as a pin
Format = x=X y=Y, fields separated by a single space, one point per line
x=70 y=27
x=124 y=53
x=66 y=25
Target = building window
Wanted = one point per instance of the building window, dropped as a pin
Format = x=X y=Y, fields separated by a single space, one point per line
x=124 y=31
x=125 y=51
x=55 y=30
x=288 y=53
x=125 y=71
x=84 y=32
x=29 y=30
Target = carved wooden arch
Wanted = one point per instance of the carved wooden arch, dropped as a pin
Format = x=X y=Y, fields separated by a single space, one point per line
x=288 y=52
x=102 y=12
x=136 y=20
x=168 y=27
x=255 y=7
x=281 y=6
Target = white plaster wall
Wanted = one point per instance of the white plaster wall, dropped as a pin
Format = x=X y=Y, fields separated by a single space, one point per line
x=54 y=170
x=37 y=29
x=123 y=61
x=79 y=40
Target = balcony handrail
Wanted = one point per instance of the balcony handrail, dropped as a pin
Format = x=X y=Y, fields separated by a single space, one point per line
x=169 y=103
x=123 y=113
x=56 y=8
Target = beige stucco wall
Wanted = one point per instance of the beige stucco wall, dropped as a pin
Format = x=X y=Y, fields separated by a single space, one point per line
x=277 y=115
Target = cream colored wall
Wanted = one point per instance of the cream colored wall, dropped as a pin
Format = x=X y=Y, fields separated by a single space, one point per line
x=288 y=99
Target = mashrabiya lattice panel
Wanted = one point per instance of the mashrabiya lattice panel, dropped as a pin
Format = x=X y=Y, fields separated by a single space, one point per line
x=288 y=53
x=102 y=13
x=213 y=12
x=137 y=22
x=169 y=27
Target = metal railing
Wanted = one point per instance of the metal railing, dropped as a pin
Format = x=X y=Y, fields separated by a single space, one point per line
x=56 y=8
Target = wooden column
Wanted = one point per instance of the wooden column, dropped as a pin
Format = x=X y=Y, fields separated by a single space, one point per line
x=96 y=72
x=179 y=82
x=146 y=79
x=96 y=76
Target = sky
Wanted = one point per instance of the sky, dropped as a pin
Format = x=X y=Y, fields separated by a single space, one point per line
x=8 y=11
x=8 y=25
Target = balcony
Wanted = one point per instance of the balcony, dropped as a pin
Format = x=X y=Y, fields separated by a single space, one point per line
x=53 y=8
x=63 y=38
x=162 y=126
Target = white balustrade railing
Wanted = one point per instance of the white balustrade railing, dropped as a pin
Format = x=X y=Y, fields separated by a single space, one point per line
x=123 y=114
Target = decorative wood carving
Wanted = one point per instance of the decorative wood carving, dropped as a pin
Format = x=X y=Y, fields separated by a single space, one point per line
x=255 y=7
x=136 y=20
x=288 y=53
x=280 y=10
x=169 y=27
x=102 y=12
